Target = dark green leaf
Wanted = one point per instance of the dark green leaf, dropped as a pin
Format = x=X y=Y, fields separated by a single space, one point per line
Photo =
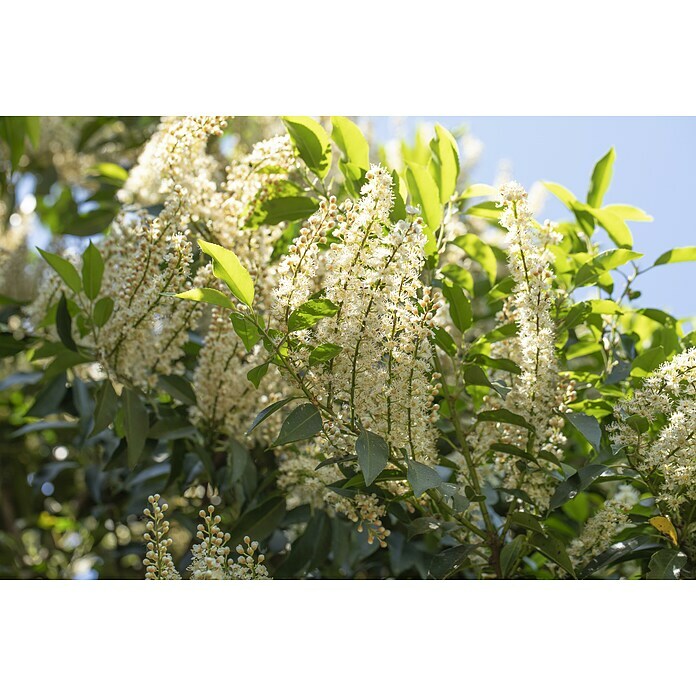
x=579 y=481
x=587 y=426
x=553 y=549
x=302 y=423
x=103 y=309
x=288 y=209
x=422 y=477
x=64 y=269
x=135 y=424
x=64 y=324
x=502 y=415
x=459 y=306
x=666 y=565
x=311 y=141
x=269 y=411
x=373 y=454
x=245 y=329
x=448 y=562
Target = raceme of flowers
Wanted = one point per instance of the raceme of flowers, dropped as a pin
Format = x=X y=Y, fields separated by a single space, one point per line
x=656 y=428
x=383 y=322
x=211 y=558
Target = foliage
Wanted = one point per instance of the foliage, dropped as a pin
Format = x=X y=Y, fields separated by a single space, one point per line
x=366 y=362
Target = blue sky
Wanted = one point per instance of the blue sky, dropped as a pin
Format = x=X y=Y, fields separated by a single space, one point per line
x=655 y=170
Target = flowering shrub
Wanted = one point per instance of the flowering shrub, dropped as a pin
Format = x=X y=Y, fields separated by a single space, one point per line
x=374 y=366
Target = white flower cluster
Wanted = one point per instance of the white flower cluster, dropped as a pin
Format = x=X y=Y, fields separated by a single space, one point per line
x=147 y=260
x=656 y=427
x=158 y=559
x=538 y=393
x=381 y=379
x=210 y=557
x=603 y=526
x=226 y=401
x=304 y=484
x=176 y=155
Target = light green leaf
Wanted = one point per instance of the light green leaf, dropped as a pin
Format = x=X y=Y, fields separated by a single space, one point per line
x=424 y=192
x=647 y=362
x=373 y=454
x=615 y=227
x=422 y=477
x=302 y=423
x=287 y=209
x=606 y=261
x=459 y=306
x=245 y=329
x=311 y=141
x=350 y=139
x=678 y=255
x=605 y=307
x=444 y=165
x=562 y=193
x=228 y=268
x=324 y=353
x=601 y=178
x=488 y=210
x=64 y=269
x=256 y=374
x=476 y=190
x=92 y=271
x=628 y=212
x=311 y=312
x=480 y=252
x=103 y=309
x=209 y=296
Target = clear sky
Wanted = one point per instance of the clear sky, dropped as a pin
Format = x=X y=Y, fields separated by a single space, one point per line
x=655 y=169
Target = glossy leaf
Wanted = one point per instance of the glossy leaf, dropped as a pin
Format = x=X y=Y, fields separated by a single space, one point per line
x=311 y=141
x=302 y=423
x=422 y=477
x=228 y=268
x=209 y=296
x=311 y=312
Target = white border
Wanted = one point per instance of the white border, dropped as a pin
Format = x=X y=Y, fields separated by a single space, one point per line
x=482 y=57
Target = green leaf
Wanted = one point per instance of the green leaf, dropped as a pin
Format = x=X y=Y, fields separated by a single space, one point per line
x=424 y=192
x=136 y=425
x=179 y=388
x=647 y=362
x=553 y=549
x=459 y=306
x=488 y=210
x=64 y=324
x=445 y=162
x=311 y=312
x=511 y=554
x=64 y=269
x=476 y=190
x=562 y=193
x=502 y=415
x=350 y=139
x=579 y=481
x=103 y=309
x=302 y=423
x=256 y=374
x=106 y=408
x=110 y=170
x=259 y=522
x=373 y=454
x=628 y=212
x=32 y=126
x=512 y=450
x=269 y=411
x=445 y=341
x=615 y=227
x=448 y=562
x=310 y=550
x=678 y=255
x=245 y=329
x=480 y=252
x=288 y=209
x=422 y=477
x=601 y=178
x=587 y=426
x=606 y=261
x=527 y=521
x=311 y=141
x=227 y=267
x=666 y=565
x=324 y=353
x=209 y=296
x=92 y=271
